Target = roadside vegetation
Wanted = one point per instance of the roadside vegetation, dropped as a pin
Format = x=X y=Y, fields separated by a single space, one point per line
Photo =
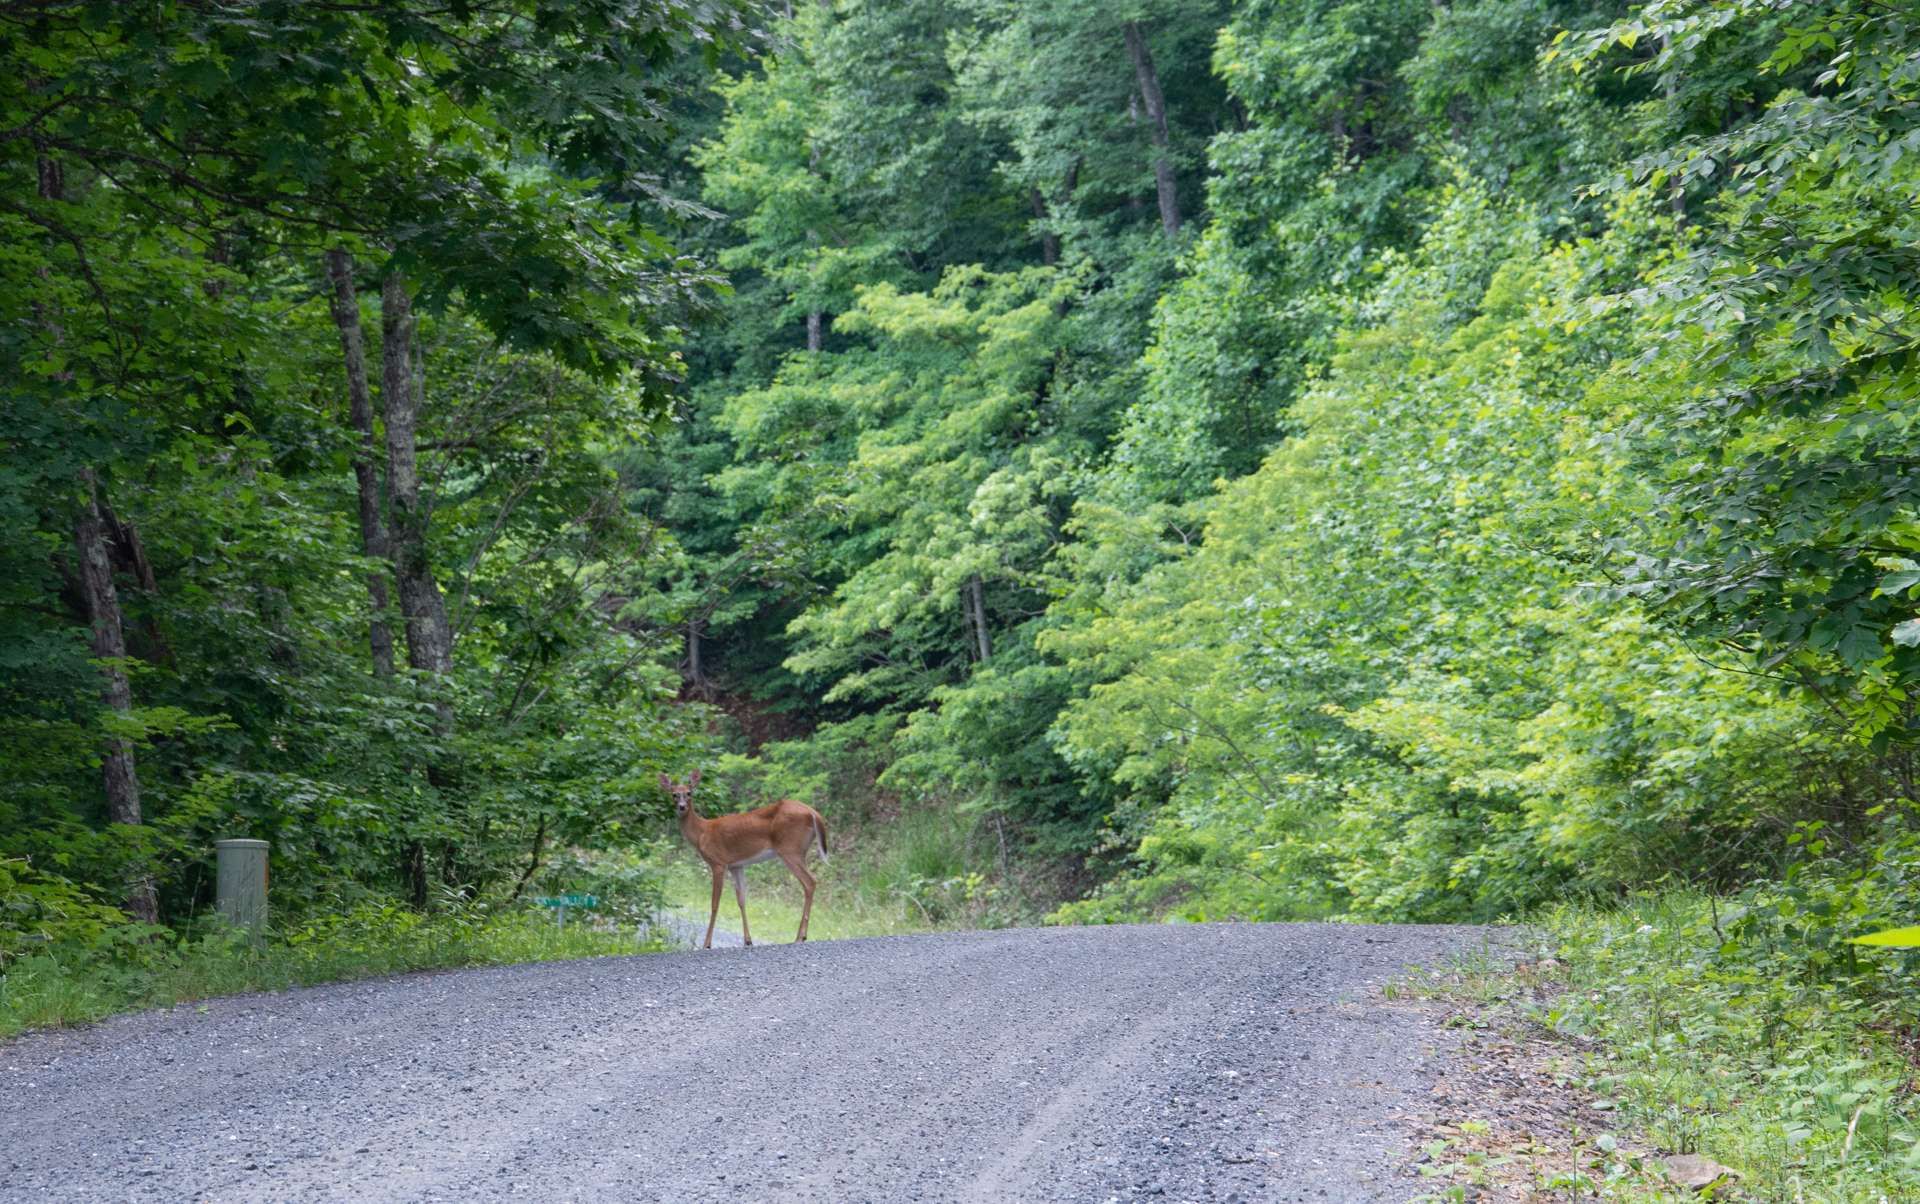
x=1694 y=1035
x=1800 y=1080
x=129 y=969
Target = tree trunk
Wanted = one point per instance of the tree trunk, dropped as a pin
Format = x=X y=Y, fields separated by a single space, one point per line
x=696 y=674
x=1676 y=191
x=1157 y=127
x=533 y=861
x=109 y=644
x=977 y=606
x=413 y=868
x=1049 y=241
x=429 y=639
x=118 y=775
x=814 y=315
x=130 y=556
x=373 y=528
x=53 y=180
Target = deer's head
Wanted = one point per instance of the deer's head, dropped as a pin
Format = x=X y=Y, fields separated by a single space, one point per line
x=682 y=795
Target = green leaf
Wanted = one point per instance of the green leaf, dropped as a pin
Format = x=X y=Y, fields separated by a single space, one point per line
x=1860 y=646
x=1893 y=583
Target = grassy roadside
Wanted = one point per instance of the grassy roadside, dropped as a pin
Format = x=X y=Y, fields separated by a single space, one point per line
x=1663 y=1037
x=774 y=901
x=65 y=987
x=904 y=875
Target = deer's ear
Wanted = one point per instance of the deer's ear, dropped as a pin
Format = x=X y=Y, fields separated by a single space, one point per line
x=666 y=783
x=693 y=779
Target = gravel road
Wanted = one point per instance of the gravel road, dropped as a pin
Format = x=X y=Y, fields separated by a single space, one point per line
x=1203 y=1063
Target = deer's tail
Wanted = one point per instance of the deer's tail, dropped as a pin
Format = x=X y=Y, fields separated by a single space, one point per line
x=820 y=830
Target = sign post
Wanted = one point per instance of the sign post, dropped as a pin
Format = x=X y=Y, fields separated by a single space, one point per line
x=561 y=903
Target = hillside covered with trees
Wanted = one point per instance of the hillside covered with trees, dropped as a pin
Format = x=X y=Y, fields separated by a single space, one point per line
x=1381 y=458
x=1366 y=459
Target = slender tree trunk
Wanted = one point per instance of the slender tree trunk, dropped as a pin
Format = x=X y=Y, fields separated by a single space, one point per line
x=413 y=868
x=814 y=315
x=373 y=528
x=119 y=777
x=1156 y=104
x=696 y=675
x=109 y=645
x=1676 y=191
x=130 y=554
x=429 y=637
x=977 y=607
x=53 y=181
x=533 y=860
x=1049 y=241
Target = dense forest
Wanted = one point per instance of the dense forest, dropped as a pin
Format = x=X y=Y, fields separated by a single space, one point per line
x=1381 y=459
x=1377 y=459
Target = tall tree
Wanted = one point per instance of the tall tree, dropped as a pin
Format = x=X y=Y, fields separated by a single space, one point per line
x=429 y=636
x=109 y=644
x=1156 y=105
x=1093 y=101
x=373 y=523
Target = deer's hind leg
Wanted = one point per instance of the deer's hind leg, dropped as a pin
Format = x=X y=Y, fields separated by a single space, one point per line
x=798 y=864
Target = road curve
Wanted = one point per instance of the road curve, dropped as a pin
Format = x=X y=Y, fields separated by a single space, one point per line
x=1204 y=1063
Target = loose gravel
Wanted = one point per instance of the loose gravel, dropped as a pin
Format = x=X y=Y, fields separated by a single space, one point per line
x=1215 y=1062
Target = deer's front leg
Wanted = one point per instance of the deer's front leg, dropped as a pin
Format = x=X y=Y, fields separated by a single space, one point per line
x=740 y=893
x=713 y=913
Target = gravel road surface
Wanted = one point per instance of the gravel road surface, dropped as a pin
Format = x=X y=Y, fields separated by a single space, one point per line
x=1203 y=1063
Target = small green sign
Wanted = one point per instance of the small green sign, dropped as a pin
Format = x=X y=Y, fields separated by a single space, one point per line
x=560 y=904
x=568 y=900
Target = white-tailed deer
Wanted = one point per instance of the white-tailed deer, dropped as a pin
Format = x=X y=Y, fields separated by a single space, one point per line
x=731 y=843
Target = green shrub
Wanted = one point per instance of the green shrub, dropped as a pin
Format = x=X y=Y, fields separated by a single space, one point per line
x=39 y=910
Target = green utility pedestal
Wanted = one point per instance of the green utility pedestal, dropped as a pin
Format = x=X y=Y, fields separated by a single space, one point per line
x=243 y=883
